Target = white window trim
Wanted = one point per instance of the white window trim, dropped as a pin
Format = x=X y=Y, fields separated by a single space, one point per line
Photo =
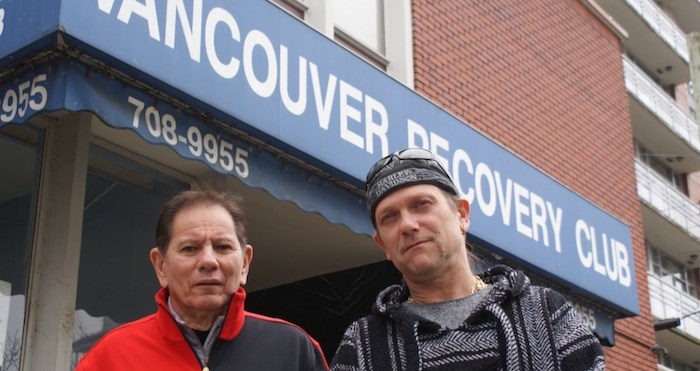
x=398 y=35
x=398 y=40
x=360 y=49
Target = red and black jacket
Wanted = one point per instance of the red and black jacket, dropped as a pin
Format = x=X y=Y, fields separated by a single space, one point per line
x=247 y=341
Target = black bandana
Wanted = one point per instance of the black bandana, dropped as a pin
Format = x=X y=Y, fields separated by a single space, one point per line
x=400 y=173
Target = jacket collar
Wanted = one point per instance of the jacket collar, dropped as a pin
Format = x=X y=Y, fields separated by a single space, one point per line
x=233 y=324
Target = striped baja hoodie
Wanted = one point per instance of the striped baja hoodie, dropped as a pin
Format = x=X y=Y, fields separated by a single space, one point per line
x=517 y=326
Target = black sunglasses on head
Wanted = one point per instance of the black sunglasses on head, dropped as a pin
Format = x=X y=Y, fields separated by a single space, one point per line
x=404 y=154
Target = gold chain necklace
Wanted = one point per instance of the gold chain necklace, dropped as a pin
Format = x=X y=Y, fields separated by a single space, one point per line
x=478 y=285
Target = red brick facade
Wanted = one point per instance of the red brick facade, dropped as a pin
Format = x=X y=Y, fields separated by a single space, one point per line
x=545 y=79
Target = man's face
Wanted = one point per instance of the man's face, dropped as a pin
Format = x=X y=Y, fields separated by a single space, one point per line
x=204 y=263
x=422 y=232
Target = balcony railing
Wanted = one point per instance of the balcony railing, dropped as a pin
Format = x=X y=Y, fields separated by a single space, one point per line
x=666 y=200
x=662 y=25
x=669 y=302
x=660 y=103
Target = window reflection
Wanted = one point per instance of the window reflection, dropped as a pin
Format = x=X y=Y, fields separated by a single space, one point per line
x=116 y=283
x=20 y=158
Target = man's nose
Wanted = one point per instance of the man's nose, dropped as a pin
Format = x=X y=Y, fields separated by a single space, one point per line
x=408 y=222
x=207 y=258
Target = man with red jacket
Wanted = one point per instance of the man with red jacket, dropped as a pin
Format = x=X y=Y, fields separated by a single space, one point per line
x=202 y=261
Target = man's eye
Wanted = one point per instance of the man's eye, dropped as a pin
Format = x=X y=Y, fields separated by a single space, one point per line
x=387 y=218
x=188 y=249
x=224 y=247
x=422 y=203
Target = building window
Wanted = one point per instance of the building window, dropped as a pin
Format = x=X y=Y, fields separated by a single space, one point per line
x=20 y=158
x=656 y=163
x=359 y=26
x=378 y=31
x=670 y=271
x=673 y=364
x=363 y=20
x=116 y=283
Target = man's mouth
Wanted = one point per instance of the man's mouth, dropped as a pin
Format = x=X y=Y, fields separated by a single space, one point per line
x=414 y=244
x=209 y=283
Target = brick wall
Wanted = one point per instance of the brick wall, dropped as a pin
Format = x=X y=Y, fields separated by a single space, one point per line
x=544 y=78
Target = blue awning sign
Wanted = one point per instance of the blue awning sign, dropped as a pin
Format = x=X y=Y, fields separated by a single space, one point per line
x=23 y=98
x=259 y=70
x=199 y=140
x=600 y=323
x=75 y=87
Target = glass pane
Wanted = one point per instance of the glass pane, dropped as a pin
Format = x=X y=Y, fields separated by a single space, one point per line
x=20 y=157
x=116 y=283
x=671 y=267
x=363 y=20
x=680 y=285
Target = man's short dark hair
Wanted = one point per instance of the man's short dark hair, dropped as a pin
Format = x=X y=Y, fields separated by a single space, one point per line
x=188 y=199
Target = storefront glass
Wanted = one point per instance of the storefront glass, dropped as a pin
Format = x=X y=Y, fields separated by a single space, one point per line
x=19 y=163
x=116 y=282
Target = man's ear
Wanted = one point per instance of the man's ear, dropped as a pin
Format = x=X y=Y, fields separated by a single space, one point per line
x=158 y=260
x=247 y=258
x=463 y=209
x=380 y=243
